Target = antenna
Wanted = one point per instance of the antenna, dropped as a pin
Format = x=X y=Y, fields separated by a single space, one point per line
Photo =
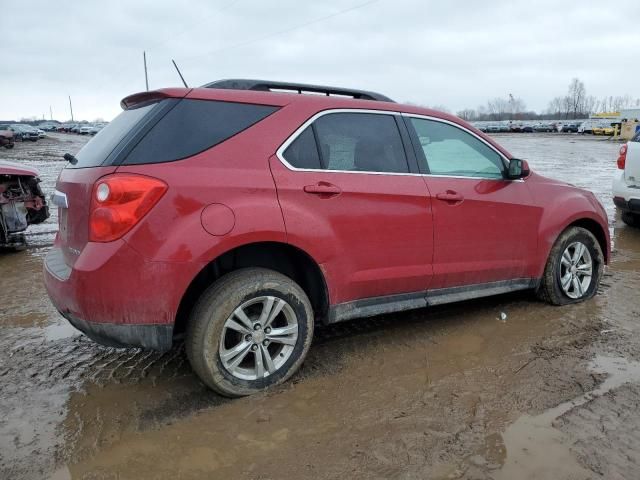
x=178 y=70
x=71 y=108
x=146 y=78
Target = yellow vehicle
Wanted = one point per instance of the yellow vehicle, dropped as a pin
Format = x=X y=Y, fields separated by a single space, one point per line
x=603 y=130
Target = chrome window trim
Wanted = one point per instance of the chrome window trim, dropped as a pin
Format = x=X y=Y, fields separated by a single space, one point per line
x=301 y=128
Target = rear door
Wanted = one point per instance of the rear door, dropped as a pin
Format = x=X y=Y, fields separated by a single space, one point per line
x=632 y=164
x=350 y=199
x=485 y=227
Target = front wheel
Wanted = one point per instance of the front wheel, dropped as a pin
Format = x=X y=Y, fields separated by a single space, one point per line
x=574 y=268
x=249 y=331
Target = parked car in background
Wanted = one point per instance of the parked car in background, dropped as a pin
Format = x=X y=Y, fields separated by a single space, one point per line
x=22 y=202
x=6 y=137
x=96 y=128
x=85 y=129
x=543 y=127
x=626 y=182
x=586 y=127
x=527 y=128
x=603 y=129
x=41 y=133
x=493 y=128
x=23 y=133
x=384 y=212
x=48 y=126
x=570 y=128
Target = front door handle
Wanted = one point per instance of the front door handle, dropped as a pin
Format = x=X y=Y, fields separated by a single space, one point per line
x=450 y=197
x=322 y=189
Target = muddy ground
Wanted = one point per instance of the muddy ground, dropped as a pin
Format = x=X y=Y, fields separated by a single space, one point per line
x=445 y=393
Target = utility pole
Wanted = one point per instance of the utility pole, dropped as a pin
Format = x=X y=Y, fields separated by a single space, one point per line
x=146 y=77
x=50 y=113
x=71 y=108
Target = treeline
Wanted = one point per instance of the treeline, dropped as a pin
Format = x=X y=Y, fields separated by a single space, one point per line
x=575 y=104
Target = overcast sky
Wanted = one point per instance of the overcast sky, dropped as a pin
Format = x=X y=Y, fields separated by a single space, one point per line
x=452 y=53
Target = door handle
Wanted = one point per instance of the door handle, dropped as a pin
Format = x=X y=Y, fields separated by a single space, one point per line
x=322 y=189
x=450 y=197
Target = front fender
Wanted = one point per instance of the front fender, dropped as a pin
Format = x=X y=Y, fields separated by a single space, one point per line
x=572 y=206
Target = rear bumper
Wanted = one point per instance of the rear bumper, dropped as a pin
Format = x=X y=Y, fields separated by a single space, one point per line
x=156 y=337
x=625 y=197
x=115 y=296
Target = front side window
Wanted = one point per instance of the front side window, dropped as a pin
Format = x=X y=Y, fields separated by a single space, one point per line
x=360 y=142
x=450 y=151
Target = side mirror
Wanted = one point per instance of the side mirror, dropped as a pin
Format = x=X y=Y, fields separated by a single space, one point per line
x=518 y=169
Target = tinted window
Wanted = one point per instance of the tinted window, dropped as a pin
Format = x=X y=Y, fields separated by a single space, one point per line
x=360 y=142
x=637 y=137
x=193 y=126
x=449 y=150
x=303 y=152
x=96 y=151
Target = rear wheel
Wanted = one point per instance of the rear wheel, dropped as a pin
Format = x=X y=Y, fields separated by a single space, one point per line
x=631 y=219
x=249 y=331
x=574 y=268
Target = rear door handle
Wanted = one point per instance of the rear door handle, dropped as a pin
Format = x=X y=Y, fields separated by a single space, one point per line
x=450 y=196
x=322 y=189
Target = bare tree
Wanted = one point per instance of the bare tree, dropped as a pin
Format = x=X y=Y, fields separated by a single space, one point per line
x=575 y=98
x=467 y=114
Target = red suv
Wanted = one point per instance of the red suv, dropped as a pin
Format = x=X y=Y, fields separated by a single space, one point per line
x=240 y=213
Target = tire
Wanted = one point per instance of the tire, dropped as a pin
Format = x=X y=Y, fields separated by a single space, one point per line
x=209 y=335
x=550 y=289
x=631 y=219
x=9 y=146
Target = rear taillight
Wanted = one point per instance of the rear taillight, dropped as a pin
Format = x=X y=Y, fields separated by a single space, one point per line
x=622 y=159
x=119 y=201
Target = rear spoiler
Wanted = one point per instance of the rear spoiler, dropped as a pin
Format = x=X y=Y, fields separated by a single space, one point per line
x=144 y=98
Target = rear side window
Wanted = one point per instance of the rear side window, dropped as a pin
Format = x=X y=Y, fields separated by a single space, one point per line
x=362 y=142
x=95 y=152
x=303 y=151
x=193 y=126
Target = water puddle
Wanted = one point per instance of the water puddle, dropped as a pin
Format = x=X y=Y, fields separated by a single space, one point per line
x=536 y=450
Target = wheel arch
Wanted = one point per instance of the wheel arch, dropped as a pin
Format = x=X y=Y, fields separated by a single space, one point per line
x=597 y=230
x=278 y=256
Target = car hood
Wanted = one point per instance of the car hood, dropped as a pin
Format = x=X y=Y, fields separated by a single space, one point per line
x=12 y=168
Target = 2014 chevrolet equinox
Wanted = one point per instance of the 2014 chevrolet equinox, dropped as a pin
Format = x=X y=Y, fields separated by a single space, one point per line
x=238 y=216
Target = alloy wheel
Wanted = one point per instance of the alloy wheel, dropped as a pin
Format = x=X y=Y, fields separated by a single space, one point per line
x=258 y=338
x=576 y=270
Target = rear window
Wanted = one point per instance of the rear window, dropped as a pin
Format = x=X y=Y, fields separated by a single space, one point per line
x=96 y=151
x=193 y=126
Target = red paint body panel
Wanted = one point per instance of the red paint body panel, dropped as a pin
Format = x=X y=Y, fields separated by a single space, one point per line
x=12 y=168
x=381 y=235
x=374 y=238
x=486 y=237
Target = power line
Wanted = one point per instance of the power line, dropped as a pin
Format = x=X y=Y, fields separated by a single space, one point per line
x=281 y=32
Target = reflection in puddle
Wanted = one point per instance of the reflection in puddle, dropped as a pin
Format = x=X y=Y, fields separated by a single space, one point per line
x=535 y=449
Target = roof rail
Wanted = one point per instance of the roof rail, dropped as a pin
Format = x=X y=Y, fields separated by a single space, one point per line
x=269 y=86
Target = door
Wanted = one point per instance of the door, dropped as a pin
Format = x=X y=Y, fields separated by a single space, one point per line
x=349 y=200
x=485 y=226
